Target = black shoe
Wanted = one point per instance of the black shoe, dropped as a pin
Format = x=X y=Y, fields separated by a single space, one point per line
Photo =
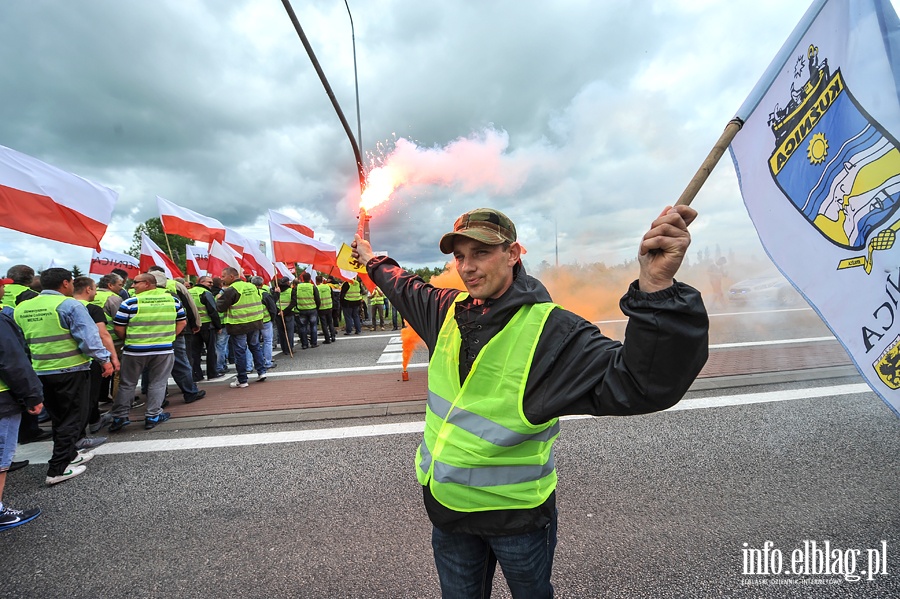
x=159 y=418
x=165 y=403
x=17 y=465
x=118 y=424
x=10 y=518
x=41 y=436
x=273 y=366
x=326 y=342
x=195 y=397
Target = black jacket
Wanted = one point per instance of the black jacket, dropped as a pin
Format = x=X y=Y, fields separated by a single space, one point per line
x=25 y=389
x=576 y=369
x=268 y=300
x=209 y=302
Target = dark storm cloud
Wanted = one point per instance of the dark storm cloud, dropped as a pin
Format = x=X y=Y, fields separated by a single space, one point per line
x=609 y=107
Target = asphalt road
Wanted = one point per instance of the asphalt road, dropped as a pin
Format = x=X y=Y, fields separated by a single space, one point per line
x=652 y=506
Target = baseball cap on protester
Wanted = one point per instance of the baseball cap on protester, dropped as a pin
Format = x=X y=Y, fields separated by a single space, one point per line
x=482 y=224
x=6 y=281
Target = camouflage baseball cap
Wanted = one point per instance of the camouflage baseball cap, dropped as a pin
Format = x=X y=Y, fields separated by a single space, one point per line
x=482 y=224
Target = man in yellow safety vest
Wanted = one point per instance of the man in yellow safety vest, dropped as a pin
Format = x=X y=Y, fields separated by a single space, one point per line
x=505 y=364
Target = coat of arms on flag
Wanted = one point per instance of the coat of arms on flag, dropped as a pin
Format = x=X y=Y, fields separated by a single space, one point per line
x=819 y=170
x=836 y=164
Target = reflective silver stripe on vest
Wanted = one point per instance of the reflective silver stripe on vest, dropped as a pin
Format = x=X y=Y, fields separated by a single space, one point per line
x=425 y=464
x=60 y=355
x=150 y=323
x=483 y=428
x=132 y=335
x=492 y=476
x=487 y=476
x=63 y=337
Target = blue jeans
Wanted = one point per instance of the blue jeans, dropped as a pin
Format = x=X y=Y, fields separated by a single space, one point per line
x=308 y=323
x=241 y=344
x=266 y=341
x=221 y=351
x=466 y=563
x=352 y=320
x=182 y=371
x=9 y=436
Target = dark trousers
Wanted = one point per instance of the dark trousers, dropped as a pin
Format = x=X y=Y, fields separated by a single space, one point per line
x=285 y=336
x=96 y=390
x=181 y=370
x=307 y=322
x=205 y=337
x=66 y=397
x=328 y=331
x=28 y=428
x=352 y=323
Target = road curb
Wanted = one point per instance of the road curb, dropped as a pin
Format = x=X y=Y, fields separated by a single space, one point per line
x=418 y=406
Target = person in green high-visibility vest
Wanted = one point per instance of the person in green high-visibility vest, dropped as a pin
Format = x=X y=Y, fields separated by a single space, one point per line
x=308 y=301
x=149 y=323
x=505 y=364
x=241 y=303
x=62 y=340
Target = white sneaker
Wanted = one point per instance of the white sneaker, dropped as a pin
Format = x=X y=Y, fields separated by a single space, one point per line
x=71 y=472
x=238 y=385
x=83 y=458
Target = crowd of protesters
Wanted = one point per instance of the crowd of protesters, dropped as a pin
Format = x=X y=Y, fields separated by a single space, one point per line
x=81 y=355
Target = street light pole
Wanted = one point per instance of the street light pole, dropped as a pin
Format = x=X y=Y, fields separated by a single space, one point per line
x=355 y=78
x=361 y=169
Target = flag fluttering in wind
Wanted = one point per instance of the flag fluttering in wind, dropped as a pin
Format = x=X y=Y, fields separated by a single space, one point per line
x=42 y=200
x=152 y=255
x=235 y=241
x=220 y=257
x=284 y=271
x=290 y=246
x=187 y=223
x=290 y=223
x=104 y=261
x=258 y=263
x=818 y=163
x=197 y=260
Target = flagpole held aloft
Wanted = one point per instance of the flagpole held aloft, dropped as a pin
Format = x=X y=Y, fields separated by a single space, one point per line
x=784 y=54
x=702 y=174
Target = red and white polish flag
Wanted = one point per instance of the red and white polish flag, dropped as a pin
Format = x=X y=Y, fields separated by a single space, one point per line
x=42 y=200
x=220 y=257
x=152 y=255
x=197 y=260
x=187 y=223
x=104 y=261
x=284 y=271
x=290 y=223
x=257 y=261
x=290 y=246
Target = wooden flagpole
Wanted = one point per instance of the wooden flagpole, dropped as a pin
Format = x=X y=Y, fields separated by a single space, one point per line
x=693 y=187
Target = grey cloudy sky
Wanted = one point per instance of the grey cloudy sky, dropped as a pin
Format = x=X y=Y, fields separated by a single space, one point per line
x=579 y=119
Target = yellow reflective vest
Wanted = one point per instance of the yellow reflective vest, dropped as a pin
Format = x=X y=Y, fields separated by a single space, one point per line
x=479 y=451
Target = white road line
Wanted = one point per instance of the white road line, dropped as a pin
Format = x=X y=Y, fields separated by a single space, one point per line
x=390 y=363
x=720 y=314
x=350 y=432
x=772 y=342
